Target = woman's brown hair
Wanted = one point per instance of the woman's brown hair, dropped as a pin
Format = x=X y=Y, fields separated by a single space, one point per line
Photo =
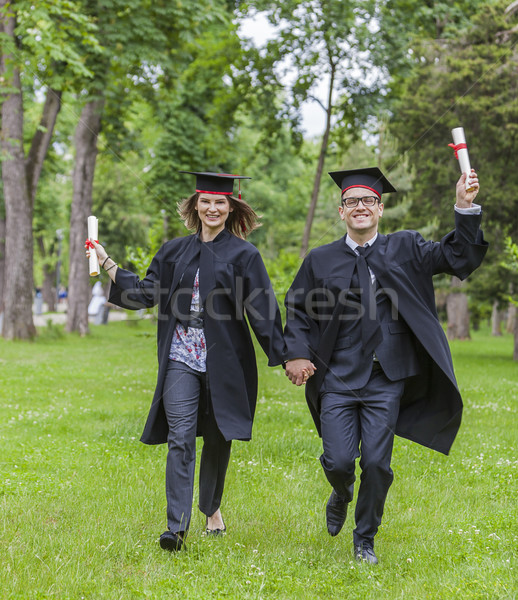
x=241 y=221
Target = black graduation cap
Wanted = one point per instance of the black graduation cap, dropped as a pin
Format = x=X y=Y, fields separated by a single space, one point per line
x=371 y=178
x=215 y=183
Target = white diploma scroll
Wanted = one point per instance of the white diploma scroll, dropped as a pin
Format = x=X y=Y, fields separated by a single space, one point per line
x=93 y=234
x=462 y=154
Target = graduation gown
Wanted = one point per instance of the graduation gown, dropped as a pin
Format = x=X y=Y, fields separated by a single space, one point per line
x=239 y=286
x=403 y=263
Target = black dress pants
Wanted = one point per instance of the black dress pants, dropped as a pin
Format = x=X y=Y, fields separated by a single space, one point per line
x=361 y=423
x=183 y=388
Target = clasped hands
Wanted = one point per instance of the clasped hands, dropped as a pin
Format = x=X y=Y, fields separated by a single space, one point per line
x=299 y=370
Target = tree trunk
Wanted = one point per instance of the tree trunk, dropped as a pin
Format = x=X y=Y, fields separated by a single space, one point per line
x=511 y=318
x=320 y=166
x=86 y=153
x=41 y=140
x=496 y=320
x=39 y=148
x=2 y=205
x=17 y=321
x=165 y=226
x=48 y=289
x=2 y=263
x=457 y=311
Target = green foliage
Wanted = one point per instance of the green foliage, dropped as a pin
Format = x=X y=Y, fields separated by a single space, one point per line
x=468 y=80
x=281 y=186
x=139 y=258
x=282 y=271
x=471 y=84
x=407 y=27
x=51 y=210
x=146 y=49
x=316 y=40
x=511 y=255
x=197 y=115
x=511 y=264
x=52 y=332
x=125 y=219
x=184 y=92
x=53 y=37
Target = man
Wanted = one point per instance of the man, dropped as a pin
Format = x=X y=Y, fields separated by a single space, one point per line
x=362 y=330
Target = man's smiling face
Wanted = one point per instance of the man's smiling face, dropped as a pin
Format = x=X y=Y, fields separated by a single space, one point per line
x=361 y=219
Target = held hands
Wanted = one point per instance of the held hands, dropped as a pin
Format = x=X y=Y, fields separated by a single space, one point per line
x=299 y=370
x=465 y=198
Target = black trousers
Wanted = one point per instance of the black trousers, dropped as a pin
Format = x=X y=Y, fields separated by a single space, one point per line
x=361 y=423
x=181 y=396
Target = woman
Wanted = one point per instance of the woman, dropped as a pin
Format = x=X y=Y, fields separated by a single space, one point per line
x=204 y=285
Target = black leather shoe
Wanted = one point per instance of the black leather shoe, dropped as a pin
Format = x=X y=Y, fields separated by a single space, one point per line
x=336 y=512
x=365 y=553
x=171 y=541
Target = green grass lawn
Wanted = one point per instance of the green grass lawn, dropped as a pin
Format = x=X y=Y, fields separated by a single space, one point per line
x=82 y=501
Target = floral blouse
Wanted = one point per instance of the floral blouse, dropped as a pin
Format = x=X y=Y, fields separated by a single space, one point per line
x=189 y=346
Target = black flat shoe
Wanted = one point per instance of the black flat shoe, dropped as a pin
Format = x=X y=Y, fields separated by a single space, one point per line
x=336 y=512
x=365 y=553
x=171 y=541
x=214 y=532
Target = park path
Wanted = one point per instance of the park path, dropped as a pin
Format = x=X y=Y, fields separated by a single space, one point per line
x=60 y=316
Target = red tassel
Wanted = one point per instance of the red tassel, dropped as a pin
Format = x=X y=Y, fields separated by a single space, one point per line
x=240 y=189
x=243 y=226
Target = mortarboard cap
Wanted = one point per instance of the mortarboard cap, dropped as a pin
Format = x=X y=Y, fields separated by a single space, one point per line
x=371 y=178
x=215 y=183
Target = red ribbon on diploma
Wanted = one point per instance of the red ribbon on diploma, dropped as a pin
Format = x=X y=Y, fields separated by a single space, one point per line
x=89 y=244
x=457 y=147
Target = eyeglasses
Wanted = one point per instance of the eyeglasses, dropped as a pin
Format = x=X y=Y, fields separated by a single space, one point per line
x=366 y=201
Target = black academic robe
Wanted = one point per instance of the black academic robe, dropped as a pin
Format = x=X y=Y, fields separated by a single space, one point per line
x=240 y=286
x=403 y=263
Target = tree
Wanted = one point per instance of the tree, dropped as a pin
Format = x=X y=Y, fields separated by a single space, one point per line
x=51 y=207
x=457 y=311
x=85 y=142
x=2 y=255
x=143 y=44
x=18 y=262
x=468 y=80
x=31 y=48
x=197 y=113
x=321 y=40
x=510 y=263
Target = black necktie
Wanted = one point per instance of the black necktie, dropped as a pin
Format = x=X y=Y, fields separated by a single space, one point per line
x=371 y=329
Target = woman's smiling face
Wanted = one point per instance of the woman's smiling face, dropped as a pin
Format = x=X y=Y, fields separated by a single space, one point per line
x=213 y=210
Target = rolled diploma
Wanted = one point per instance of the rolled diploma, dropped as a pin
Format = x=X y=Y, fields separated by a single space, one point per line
x=465 y=167
x=93 y=233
